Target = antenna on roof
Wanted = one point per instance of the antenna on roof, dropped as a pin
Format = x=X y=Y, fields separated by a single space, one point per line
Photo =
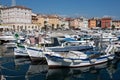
x=13 y=3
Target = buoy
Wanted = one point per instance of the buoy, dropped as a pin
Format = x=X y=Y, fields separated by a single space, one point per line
x=110 y=58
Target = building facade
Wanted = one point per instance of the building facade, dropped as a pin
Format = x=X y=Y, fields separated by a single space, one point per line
x=64 y=24
x=106 y=22
x=75 y=23
x=85 y=23
x=92 y=23
x=16 y=15
x=116 y=23
x=53 y=21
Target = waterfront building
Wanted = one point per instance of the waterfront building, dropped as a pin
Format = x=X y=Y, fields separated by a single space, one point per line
x=69 y=22
x=75 y=23
x=106 y=22
x=19 y=17
x=16 y=14
x=34 y=18
x=0 y=14
x=1 y=7
x=116 y=23
x=64 y=24
x=39 y=19
x=53 y=21
x=83 y=22
x=92 y=23
x=49 y=21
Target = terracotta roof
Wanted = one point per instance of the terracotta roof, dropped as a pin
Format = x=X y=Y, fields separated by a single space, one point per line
x=52 y=16
x=107 y=18
x=68 y=19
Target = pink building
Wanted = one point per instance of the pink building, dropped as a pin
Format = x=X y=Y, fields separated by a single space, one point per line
x=75 y=23
x=106 y=22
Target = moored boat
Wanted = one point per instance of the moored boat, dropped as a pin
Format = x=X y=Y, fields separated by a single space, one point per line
x=20 y=51
x=79 y=59
x=35 y=54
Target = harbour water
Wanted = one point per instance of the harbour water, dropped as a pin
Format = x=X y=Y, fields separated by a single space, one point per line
x=12 y=68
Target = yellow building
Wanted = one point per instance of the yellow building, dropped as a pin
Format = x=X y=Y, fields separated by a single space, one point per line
x=53 y=21
x=41 y=20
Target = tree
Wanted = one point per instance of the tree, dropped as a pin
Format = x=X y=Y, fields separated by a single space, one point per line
x=113 y=27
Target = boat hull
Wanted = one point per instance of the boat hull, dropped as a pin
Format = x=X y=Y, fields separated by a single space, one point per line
x=35 y=54
x=59 y=62
x=19 y=52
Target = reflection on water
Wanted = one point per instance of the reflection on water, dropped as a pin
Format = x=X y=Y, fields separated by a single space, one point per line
x=13 y=68
x=83 y=73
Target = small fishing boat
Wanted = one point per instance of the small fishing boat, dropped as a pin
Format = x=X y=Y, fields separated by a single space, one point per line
x=35 y=54
x=79 y=59
x=20 y=51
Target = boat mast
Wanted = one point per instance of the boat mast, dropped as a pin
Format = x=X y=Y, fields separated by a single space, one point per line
x=13 y=3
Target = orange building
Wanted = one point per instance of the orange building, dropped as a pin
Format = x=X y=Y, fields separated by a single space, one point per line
x=106 y=22
x=53 y=21
x=39 y=19
x=92 y=23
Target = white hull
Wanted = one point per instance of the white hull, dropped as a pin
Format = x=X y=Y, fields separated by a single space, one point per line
x=18 y=52
x=10 y=45
x=7 y=38
x=66 y=62
x=108 y=39
x=35 y=53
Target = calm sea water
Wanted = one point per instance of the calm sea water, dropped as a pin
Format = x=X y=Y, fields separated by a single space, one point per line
x=12 y=68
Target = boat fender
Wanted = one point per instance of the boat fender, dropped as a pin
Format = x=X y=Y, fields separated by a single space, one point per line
x=93 y=60
x=110 y=58
x=67 y=60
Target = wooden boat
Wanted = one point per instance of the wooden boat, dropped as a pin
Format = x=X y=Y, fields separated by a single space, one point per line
x=20 y=51
x=35 y=54
x=79 y=59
